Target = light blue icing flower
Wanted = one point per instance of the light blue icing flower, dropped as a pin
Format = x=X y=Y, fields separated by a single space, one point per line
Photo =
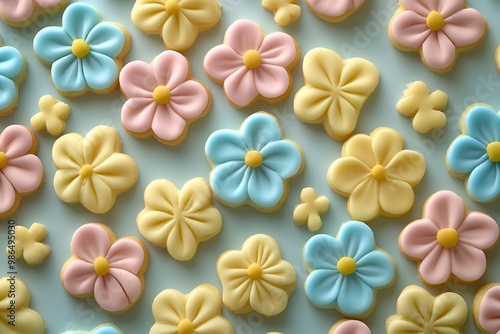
x=252 y=165
x=345 y=271
x=83 y=51
x=12 y=65
x=475 y=155
x=103 y=329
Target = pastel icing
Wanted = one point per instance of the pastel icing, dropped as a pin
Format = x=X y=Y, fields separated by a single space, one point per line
x=110 y=270
x=350 y=327
x=22 y=12
x=102 y=329
x=197 y=312
x=285 y=11
x=419 y=312
x=346 y=271
x=28 y=244
x=52 y=116
x=162 y=99
x=251 y=65
x=13 y=69
x=179 y=220
x=425 y=108
x=21 y=171
x=25 y=320
x=310 y=210
x=92 y=170
x=449 y=241
x=335 y=91
x=253 y=165
x=475 y=154
x=178 y=22
x=334 y=10
x=256 y=278
x=85 y=53
x=485 y=308
x=438 y=29
x=376 y=174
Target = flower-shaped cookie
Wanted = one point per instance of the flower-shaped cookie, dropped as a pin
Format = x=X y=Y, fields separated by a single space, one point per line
x=197 y=312
x=309 y=211
x=85 y=53
x=13 y=69
x=285 y=11
x=91 y=170
x=475 y=155
x=28 y=244
x=253 y=165
x=346 y=271
x=376 y=174
x=449 y=241
x=20 y=13
x=179 y=220
x=178 y=22
x=334 y=10
x=14 y=309
x=52 y=116
x=485 y=308
x=251 y=65
x=349 y=327
x=335 y=91
x=110 y=270
x=438 y=29
x=425 y=108
x=102 y=329
x=21 y=171
x=162 y=99
x=256 y=278
x=419 y=312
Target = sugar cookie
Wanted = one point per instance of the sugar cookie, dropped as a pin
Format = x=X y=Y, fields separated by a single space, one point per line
x=19 y=13
x=485 y=308
x=28 y=244
x=310 y=210
x=52 y=116
x=285 y=11
x=349 y=327
x=334 y=10
x=13 y=71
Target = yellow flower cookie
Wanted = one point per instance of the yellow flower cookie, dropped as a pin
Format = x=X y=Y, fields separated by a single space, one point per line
x=52 y=116
x=309 y=211
x=28 y=244
x=285 y=11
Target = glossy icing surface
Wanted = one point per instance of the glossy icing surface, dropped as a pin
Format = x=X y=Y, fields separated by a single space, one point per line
x=335 y=91
x=334 y=10
x=167 y=117
x=253 y=165
x=102 y=329
x=488 y=316
x=251 y=65
x=310 y=210
x=350 y=327
x=13 y=69
x=23 y=12
x=29 y=244
x=346 y=271
x=285 y=11
x=256 y=278
x=377 y=174
x=52 y=116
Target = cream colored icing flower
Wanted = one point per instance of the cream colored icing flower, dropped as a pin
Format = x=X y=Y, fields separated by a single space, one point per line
x=52 y=116
x=310 y=210
x=26 y=320
x=178 y=22
x=256 y=278
x=424 y=107
x=335 y=91
x=376 y=174
x=285 y=11
x=29 y=244
x=179 y=220
x=197 y=312
x=91 y=170
x=419 y=312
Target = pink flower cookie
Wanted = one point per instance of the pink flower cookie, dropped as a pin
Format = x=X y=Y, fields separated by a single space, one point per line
x=349 y=327
x=21 y=171
x=251 y=65
x=449 y=241
x=438 y=29
x=110 y=270
x=162 y=98
x=334 y=10
x=19 y=13
x=486 y=308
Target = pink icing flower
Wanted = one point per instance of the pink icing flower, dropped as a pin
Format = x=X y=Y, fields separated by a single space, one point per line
x=20 y=11
x=350 y=327
x=251 y=65
x=437 y=28
x=489 y=309
x=111 y=271
x=20 y=171
x=161 y=98
x=449 y=240
x=334 y=10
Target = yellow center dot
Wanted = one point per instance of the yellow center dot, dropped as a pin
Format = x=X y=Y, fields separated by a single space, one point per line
x=493 y=150
x=252 y=59
x=86 y=171
x=447 y=237
x=80 y=48
x=185 y=327
x=101 y=266
x=346 y=266
x=254 y=271
x=435 y=21
x=3 y=160
x=378 y=172
x=161 y=94
x=172 y=6
x=253 y=159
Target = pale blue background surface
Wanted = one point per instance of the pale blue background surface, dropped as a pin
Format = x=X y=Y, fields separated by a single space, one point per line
x=473 y=79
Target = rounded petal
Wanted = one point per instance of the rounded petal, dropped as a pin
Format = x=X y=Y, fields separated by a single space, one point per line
x=445 y=209
x=15 y=141
x=436 y=266
x=89 y=242
x=100 y=71
x=271 y=81
x=450 y=309
x=416 y=303
x=478 y=230
x=468 y=263
x=215 y=325
x=8 y=194
x=278 y=49
x=240 y=87
x=224 y=146
x=438 y=51
x=119 y=172
x=137 y=79
x=178 y=32
x=229 y=182
x=396 y=197
x=182 y=243
x=262 y=249
x=149 y=16
x=267 y=299
x=375 y=269
x=419 y=238
x=126 y=254
x=421 y=7
x=465 y=27
x=398 y=326
x=265 y=187
x=155 y=226
x=167 y=124
x=410 y=29
x=68 y=185
x=363 y=204
x=25 y=173
x=324 y=69
x=222 y=61
x=138 y=113
x=12 y=62
x=203 y=14
x=360 y=147
x=483 y=184
x=8 y=93
x=79 y=19
x=169 y=307
x=281 y=275
x=52 y=43
x=107 y=39
x=67 y=152
x=189 y=100
x=356 y=297
x=488 y=310
x=386 y=144
x=407 y=166
x=322 y=251
x=465 y=153
x=356 y=239
x=202 y=306
x=17 y=11
x=482 y=123
x=244 y=35
x=100 y=144
x=67 y=74
x=345 y=174
x=79 y=277
x=260 y=129
x=282 y=157
x=323 y=287
x=232 y=271
x=170 y=69
x=96 y=196
x=117 y=290
x=311 y=104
